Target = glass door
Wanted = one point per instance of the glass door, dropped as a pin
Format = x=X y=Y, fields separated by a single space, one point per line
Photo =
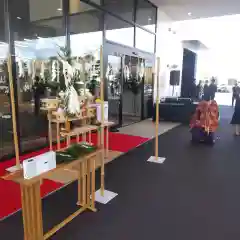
x=114 y=88
x=148 y=89
x=128 y=83
x=132 y=90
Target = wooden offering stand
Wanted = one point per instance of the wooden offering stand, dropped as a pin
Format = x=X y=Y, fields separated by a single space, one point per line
x=49 y=105
x=59 y=118
x=31 y=199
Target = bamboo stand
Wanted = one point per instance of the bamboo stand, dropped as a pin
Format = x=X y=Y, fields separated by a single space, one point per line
x=103 y=195
x=14 y=124
x=102 y=135
x=156 y=158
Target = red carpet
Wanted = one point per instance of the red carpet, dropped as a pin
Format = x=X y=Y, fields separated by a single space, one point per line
x=10 y=200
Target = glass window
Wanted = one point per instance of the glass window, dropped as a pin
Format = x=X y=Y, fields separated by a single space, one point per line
x=145 y=40
x=146 y=15
x=37 y=44
x=119 y=31
x=88 y=20
x=123 y=8
x=6 y=132
x=85 y=42
x=43 y=9
x=77 y=6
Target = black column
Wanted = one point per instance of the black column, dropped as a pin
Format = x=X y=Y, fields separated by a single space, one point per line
x=188 y=73
x=9 y=35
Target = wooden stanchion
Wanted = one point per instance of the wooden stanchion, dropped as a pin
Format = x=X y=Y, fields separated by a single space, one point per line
x=13 y=108
x=157 y=109
x=102 y=195
x=156 y=158
x=102 y=122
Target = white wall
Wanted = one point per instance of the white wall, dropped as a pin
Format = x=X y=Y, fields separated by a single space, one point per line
x=170 y=51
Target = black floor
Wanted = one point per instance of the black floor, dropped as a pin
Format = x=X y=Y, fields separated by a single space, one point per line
x=194 y=195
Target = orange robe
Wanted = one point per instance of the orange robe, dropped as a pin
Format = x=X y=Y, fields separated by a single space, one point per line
x=206 y=116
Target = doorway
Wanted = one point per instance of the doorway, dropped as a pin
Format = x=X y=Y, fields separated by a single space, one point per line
x=128 y=84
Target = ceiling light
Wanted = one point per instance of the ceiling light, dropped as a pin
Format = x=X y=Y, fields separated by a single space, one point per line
x=149 y=19
x=189 y=14
x=19 y=18
x=26 y=39
x=59 y=9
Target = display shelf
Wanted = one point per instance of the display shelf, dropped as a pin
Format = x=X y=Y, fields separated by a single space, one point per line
x=79 y=131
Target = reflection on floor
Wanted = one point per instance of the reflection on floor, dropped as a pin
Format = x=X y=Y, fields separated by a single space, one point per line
x=146 y=128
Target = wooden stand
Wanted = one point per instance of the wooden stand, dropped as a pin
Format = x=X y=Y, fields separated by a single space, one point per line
x=157 y=109
x=55 y=118
x=105 y=151
x=31 y=199
x=50 y=105
x=13 y=108
x=156 y=158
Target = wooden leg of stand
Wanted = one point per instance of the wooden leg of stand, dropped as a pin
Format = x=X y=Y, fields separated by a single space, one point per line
x=102 y=173
x=80 y=185
x=78 y=138
x=90 y=137
x=50 y=132
x=107 y=143
x=68 y=141
x=58 y=136
x=93 y=182
x=83 y=173
x=99 y=138
x=32 y=212
x=84 y=137
x=88 y=182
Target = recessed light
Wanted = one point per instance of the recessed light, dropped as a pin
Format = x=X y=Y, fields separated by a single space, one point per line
x=59 y=9
x=189 y=14
x=19 y=18
x=149 y=19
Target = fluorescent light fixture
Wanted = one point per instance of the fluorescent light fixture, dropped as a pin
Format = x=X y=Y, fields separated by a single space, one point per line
x=19 y=18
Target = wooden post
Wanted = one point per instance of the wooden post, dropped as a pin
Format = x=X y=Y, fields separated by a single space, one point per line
x=50 y=129
x=14 y=123
x=157 y=108
x=32 y=211
x=102 y=121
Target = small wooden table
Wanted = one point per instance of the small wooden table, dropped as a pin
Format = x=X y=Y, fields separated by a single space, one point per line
x=106 y=125
x=31 y=199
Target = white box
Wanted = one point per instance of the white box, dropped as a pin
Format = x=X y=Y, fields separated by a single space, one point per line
x=35 y=166
x=99 y=112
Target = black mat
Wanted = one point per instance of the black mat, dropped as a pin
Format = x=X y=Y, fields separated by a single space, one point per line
x=194 y=195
